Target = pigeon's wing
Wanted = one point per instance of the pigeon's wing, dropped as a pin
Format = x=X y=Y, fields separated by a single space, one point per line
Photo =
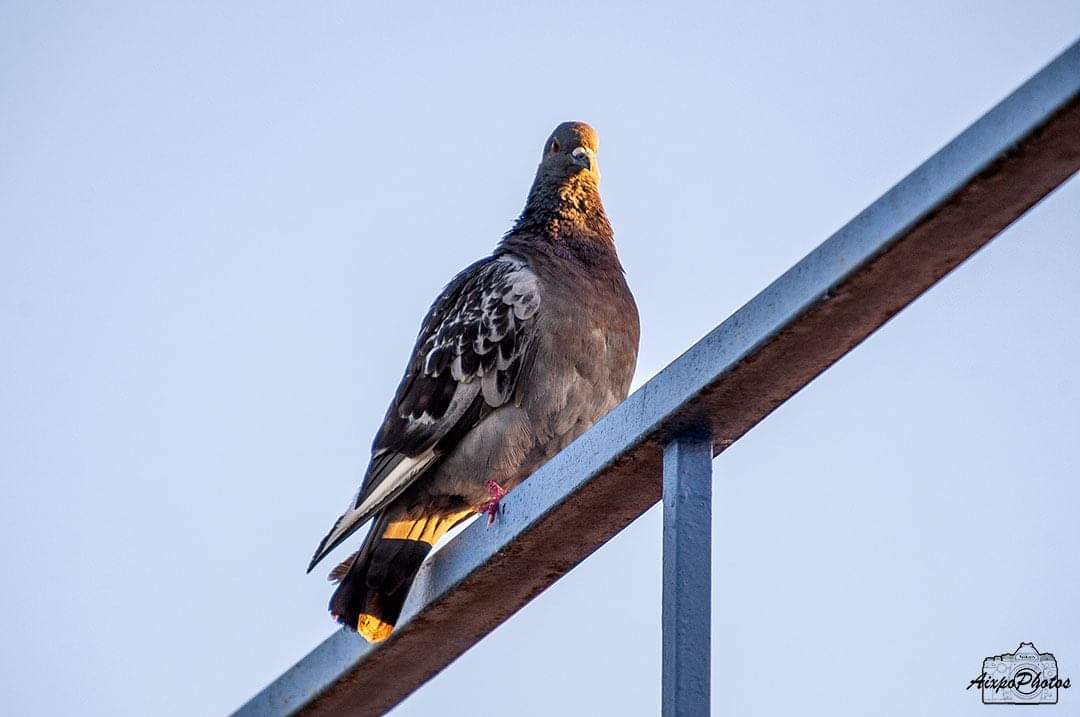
x=466 y=362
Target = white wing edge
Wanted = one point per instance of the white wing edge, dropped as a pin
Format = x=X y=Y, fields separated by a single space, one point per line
x=353 y=518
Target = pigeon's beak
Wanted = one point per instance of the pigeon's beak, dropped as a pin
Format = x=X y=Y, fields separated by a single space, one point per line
x=583 y=157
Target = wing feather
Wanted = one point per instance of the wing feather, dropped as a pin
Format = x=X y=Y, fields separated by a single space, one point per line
x=466 y=362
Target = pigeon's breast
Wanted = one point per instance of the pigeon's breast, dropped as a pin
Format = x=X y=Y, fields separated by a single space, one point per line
x=586 y=351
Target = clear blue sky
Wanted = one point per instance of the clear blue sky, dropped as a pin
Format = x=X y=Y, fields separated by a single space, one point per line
x=220 y=226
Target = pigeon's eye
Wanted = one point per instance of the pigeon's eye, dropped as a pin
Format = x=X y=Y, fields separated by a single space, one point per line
x=554 y=146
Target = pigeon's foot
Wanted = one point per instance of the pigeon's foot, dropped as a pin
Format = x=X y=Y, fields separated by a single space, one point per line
x=491 y=507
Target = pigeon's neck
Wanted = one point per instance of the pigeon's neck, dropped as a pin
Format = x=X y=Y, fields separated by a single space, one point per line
x=559 y=210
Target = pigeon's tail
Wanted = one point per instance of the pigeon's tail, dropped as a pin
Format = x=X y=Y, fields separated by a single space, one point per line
x=375 y=580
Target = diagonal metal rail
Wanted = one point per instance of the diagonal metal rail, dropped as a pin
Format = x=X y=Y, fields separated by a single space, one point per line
x=816 y=312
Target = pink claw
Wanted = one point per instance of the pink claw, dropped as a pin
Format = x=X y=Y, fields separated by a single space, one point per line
x=491 y=507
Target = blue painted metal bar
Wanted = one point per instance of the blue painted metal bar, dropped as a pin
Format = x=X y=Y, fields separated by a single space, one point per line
x=772 y=347
x=687 y=573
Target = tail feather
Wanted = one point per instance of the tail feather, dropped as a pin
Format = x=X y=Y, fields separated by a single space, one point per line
x=338 y=574
x=374 y=581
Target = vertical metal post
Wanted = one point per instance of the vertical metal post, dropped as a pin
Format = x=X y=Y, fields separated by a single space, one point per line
x=687 y=574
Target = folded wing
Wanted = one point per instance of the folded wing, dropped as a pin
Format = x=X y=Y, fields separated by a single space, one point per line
x=472 y=345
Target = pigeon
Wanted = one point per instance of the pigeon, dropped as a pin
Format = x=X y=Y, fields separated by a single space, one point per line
x=520 y=354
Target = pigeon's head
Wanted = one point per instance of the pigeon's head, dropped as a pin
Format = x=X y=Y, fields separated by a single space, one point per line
x=565 y=195
x=571 y=151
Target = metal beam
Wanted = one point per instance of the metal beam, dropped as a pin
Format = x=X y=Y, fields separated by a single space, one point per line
x=817 y=311
x=687 y=574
